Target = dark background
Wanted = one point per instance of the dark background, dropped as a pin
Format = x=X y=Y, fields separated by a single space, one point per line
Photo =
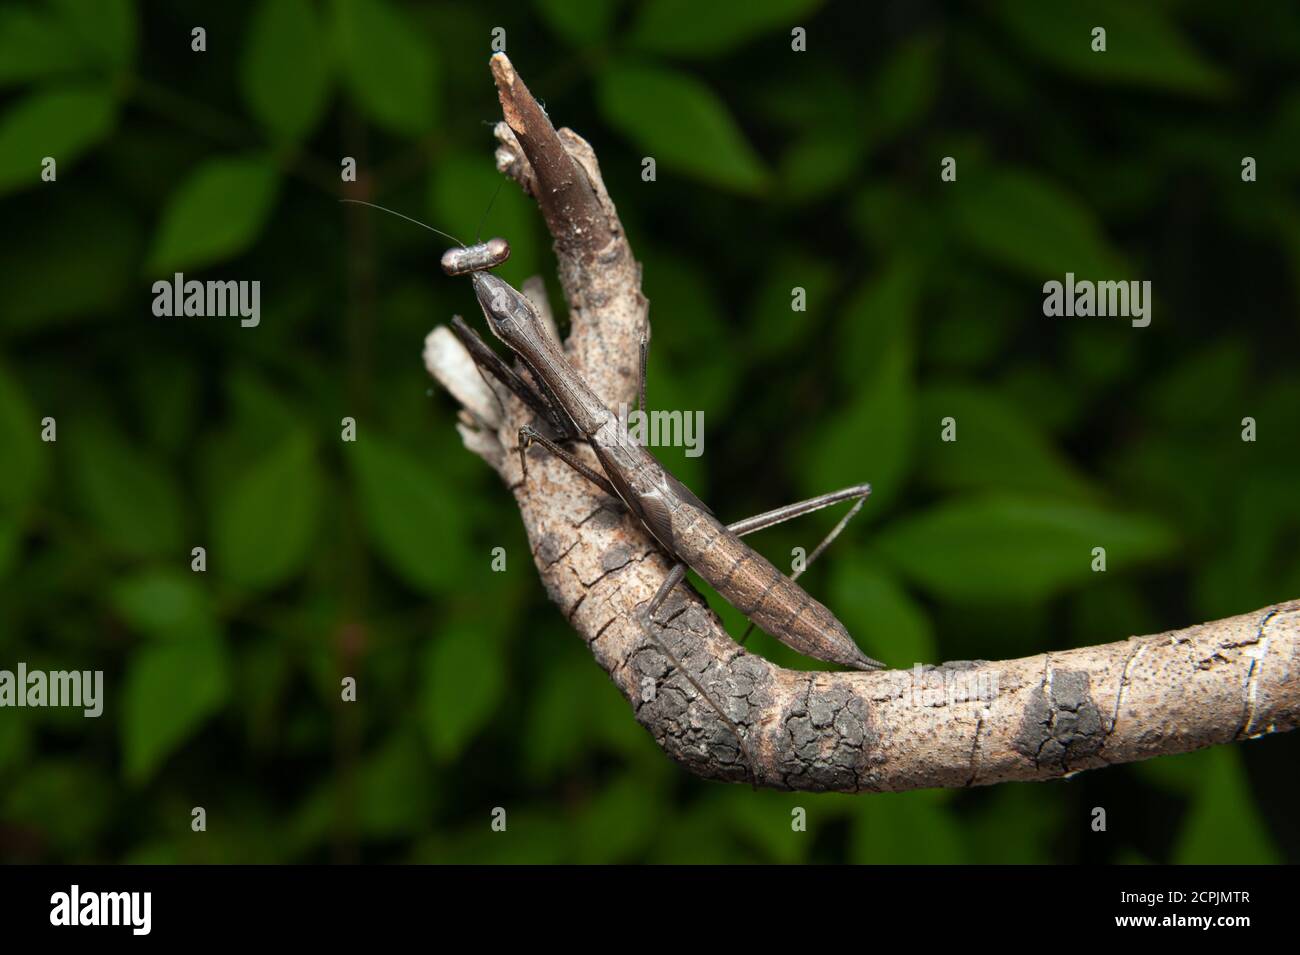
x=775 y=169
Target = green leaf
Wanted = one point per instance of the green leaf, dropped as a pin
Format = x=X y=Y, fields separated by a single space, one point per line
x=264 y=413
x=464 y=677
x=387 y=63
x=50 y=798
x=1100 y=358
x=165 y=605
x=461 y=187
x=24 y=452
x=871 y=440
x=106 y=29
x=819 y=163
x=689 y=28
x=1035 y=388
x=35 y=46
x=825 y=93
x=397 y=792
x=912 y=828
x=884 y=619
x=681 y=123
x=15 y=744
x=996 y=446
x=1096 y=614
x=265 y=523
x=1177 y=396
x=537 y=836
x=581 y=24
x=61 y=123
x=904 y=89
x=558 y=725
x=1033 y=227
x=165 y=391
x=1013 y=825
x=1142 y=47
x=690 y=837
x=763 y=819
x=692 y=363
x=775 y=326
x=878 y=212
x=285 y=72
x=411 y=516
x=171 y=689
x=215 y=214
x=129 y=495
x=881 y=313
x=78 y=259
x=10 y=536
x=1224 y=825
x=1179 y=773
x=977 y=307
x=618 y=823
x=999 y=548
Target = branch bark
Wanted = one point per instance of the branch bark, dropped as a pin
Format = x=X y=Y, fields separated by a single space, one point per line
x=957 y=724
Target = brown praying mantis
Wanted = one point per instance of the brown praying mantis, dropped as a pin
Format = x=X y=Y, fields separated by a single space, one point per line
x=683 y=525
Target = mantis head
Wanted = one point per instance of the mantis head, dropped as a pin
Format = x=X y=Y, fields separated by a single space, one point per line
x=509 y=314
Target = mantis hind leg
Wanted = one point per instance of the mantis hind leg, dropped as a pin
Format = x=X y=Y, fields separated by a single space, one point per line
x=675 y=577
x=858 y=493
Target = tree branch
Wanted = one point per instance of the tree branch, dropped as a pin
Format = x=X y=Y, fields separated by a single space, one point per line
x=958 y=724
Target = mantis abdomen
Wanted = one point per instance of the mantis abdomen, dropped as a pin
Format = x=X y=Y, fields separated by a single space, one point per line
x=770 y=599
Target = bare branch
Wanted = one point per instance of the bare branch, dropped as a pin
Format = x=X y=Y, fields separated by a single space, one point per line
x=600 y=278
x=572 y=211
x=446 y=359
x=958 y=724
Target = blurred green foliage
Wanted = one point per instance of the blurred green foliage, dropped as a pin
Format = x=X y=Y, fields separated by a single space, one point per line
x=775 y=169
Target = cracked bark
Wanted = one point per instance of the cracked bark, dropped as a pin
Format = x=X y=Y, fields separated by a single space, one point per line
x=957 y=724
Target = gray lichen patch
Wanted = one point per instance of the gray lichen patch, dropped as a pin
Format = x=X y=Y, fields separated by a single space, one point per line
x=550 y=548
x=688 y=726
x=827 y=739
x=615 y=556
x=1061 y=726
x=604 y=518
x=750 y=675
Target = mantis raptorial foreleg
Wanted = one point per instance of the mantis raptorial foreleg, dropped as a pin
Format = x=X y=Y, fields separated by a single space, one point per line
x=529 y=434
x=540 y=402
x=645 y=356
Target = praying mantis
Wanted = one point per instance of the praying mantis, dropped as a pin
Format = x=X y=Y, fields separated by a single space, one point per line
x=680 y=523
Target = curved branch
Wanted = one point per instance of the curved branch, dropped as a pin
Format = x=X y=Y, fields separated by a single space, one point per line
x=958 y=724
